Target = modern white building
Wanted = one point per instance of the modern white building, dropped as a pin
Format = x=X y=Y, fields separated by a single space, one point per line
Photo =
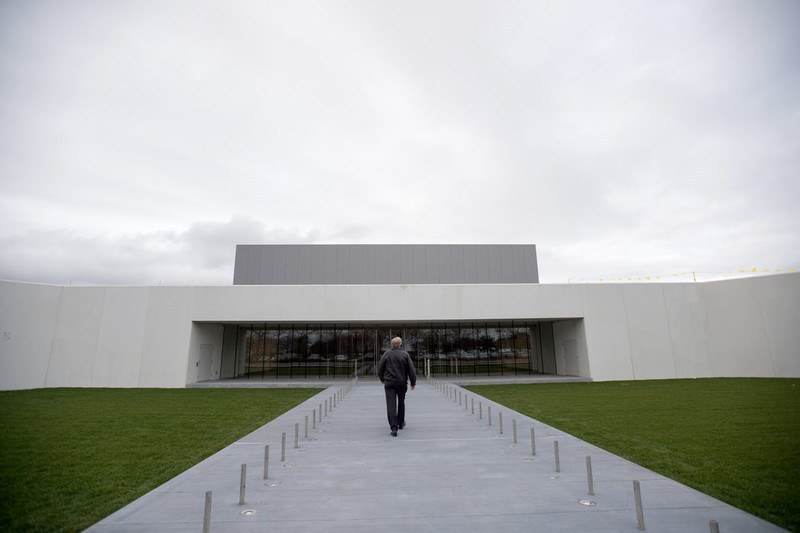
x=307 y=312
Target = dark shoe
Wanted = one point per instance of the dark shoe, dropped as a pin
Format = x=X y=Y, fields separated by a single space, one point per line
x=394 y=431
x=402 y=425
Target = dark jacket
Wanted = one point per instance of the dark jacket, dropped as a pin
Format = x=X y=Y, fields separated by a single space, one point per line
x=396 y=366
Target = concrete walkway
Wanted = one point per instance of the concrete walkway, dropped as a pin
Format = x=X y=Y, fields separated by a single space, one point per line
x=447 y=471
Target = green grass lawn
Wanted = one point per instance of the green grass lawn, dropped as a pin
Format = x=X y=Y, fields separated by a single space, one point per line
x=70 y=457
x=735 y=439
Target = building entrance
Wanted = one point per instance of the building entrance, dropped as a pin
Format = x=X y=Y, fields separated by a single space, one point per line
x=342 y=350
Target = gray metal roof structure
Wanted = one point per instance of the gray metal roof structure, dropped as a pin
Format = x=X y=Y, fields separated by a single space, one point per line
x=384 y=264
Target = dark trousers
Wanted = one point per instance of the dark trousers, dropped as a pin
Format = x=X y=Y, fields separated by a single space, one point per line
x=395 y=403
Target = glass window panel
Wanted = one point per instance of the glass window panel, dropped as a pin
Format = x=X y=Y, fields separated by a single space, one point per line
x=285 y=357
x=520 y=344
x=506 y=350
x=327 y=351
x=371 y=353
x=493 y=349
x=410 y=344
x=423 y=333
x=314 y=360
x=300 y=342
x=251 y=350
x=357 y=347
x=269 y=352
x=453 y=348
x=467 y=349
x=548 y=348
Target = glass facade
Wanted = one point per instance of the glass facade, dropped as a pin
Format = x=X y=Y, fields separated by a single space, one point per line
x=304 y=350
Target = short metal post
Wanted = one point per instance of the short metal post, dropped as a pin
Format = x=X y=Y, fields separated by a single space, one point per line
x=207 y=513
x=637 y=494
x=533 y=442
x=305 y=434
x=314 y=419
x=283 y=447
x=320 y=412
x=713 y=526
x=333 y=399
x=296 y=436
x=589 y=476
x=500 y=415
x=480 y=410
x=558 y=459
x=514 y=430
x=489 y=413
x=472 y=401
x=266 y=461
x=459 y=397
x=326 y=408
x=242 y=484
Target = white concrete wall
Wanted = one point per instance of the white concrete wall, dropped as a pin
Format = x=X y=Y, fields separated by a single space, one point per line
x=572 y=359
x=93 y=336
x=28 y=320
x=154 y=336
x=754 y=328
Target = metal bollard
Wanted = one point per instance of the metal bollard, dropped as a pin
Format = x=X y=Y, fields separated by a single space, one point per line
x=296 y=436
x=314 y=419
x=637 y=494
x=207 y=513
x=472 y=401
x=283 y=447
x=480 y=410
x=489 y=413
x=242 y=484
x=533 y=442
x=459 y=397
x=558 y=459
x=713 y=526
x=514 y=430
x=305 y=434
x=320 y=412
x=589 y=476
x=266 y=461
x=326 y=409
x=500 y=415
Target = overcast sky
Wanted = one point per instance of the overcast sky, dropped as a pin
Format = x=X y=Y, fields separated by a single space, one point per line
x=140 y=141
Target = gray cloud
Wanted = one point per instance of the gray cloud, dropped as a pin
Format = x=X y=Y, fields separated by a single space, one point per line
x=621 y=137
x=203 y=254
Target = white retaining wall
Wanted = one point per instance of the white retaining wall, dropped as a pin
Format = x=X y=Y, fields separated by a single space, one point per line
x=56 y=336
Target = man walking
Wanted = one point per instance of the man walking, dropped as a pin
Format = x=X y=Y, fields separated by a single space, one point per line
x=394 y=370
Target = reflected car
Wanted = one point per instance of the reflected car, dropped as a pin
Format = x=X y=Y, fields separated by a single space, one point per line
x=341 y=357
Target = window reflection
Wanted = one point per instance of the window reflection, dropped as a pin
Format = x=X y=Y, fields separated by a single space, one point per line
x=308 y=350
